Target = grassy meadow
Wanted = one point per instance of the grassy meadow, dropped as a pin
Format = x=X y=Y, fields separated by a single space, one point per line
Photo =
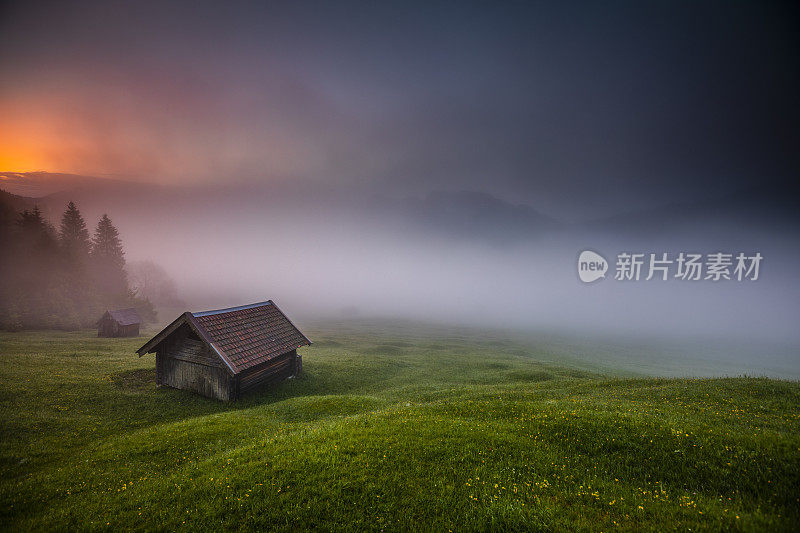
x=391 y=427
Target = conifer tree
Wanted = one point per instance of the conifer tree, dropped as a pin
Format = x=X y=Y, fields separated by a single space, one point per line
x=74 y=235
x=106 y=244
x=34 y=229
x=109 y=258
x=32 y=279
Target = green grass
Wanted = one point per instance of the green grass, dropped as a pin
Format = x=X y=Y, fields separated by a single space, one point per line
x=391 y=427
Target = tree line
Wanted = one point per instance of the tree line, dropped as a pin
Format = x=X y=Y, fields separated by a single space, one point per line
x=62 y=279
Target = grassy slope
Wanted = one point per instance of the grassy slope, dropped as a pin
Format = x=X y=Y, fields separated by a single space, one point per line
x=394 y=428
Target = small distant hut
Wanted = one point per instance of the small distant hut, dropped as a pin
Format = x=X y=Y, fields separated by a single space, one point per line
x=119 y=323
x=226 y=353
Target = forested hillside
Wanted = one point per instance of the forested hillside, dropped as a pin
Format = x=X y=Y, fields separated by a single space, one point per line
x=59 y=277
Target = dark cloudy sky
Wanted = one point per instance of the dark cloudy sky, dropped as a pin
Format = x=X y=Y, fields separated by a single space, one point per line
x=561 y=105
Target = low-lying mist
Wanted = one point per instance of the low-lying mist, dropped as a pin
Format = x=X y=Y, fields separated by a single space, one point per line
x=468 y=258
x=374 y=257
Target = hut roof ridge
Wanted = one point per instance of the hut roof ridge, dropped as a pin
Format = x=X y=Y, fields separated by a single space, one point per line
x=230 y=309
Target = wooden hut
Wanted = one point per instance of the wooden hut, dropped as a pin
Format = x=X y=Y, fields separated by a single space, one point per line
x=119 y=323
x=227 y=352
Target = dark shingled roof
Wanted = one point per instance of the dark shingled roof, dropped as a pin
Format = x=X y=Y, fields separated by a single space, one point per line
x=125 y=317
x=251 y=334
x=243 y=336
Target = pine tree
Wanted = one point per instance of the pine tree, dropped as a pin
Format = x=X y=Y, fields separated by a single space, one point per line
x=34 y=229
x=33 y=280
x=74 y=235
x=109 y=258
x=106 y=244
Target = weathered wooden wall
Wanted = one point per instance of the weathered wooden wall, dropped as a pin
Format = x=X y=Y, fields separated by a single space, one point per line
x=129 y=331
x=110 y=328
x=184 y=362
x=269 y=372
x=107 y=328
x=205 y=380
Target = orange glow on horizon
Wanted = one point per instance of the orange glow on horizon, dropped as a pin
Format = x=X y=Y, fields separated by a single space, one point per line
x=13 y=160
x=25 y=144
x=87 y=131
x=34 y=136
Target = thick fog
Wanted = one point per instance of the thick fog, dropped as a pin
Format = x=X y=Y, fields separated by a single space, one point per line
x=469 y=258
x=462 y=258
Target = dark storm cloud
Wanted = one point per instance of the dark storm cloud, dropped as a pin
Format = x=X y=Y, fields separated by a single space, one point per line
x=562 y=105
